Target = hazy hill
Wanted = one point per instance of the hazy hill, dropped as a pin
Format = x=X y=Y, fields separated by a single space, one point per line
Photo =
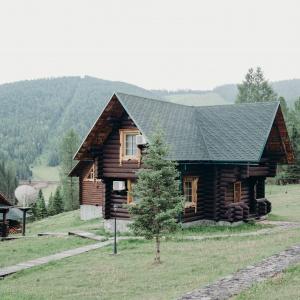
x=289 y=89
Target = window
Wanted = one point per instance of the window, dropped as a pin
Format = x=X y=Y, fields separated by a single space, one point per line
x=190 y=186
x=237 y=191
x=91 y=174
x=128 y=147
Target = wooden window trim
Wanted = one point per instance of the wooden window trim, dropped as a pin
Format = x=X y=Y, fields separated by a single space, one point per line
x=91 y=170
x=129 y=190
x=194 y=181
x=123 y=156
x=237 y=187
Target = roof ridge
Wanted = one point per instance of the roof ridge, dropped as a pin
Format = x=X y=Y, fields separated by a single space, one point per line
x=195 y=106
x=153 y=99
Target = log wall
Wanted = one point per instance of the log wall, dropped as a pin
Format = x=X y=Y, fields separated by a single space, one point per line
x=90 y=192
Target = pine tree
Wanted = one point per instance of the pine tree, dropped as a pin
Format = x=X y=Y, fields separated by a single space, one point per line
x=33 y=212
x=255 y=88
x=55 y=205
x=50 y=208
x=157 y=190
x=70 y=190
x=293 y=171
x=41 y=210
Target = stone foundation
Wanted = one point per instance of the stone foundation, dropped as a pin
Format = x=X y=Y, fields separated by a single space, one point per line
x=88 y=212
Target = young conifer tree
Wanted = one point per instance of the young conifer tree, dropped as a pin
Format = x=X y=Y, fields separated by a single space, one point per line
x=41 y=210
x=157 y=197
x=55 y=205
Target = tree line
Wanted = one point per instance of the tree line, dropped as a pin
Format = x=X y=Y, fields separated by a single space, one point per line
x=66 y=196
x=255 y=88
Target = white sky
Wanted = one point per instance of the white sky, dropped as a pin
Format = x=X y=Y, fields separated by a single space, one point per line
x=152 y=43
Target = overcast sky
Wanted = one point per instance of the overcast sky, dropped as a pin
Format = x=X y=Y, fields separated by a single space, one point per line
x=154 y=44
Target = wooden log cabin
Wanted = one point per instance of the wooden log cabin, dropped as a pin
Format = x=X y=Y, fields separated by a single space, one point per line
x=224 y=155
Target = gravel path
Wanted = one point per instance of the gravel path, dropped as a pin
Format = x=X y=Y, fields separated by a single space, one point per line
x=245 y=278
x=54 y=257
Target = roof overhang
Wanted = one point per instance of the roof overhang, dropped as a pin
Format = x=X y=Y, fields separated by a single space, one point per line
x=77 y=169
x=4 y=201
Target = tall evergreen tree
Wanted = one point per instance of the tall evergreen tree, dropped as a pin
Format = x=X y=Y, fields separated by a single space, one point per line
x=57 y=205
x=255 y=88
x=292 y=172
x=70 y=190
x=41 y=210
x=284 y=108
x=8 y=180
x=157 y=190
x=50 y=207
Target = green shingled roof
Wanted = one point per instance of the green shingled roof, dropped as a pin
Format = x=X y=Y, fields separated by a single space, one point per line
x=224 y=133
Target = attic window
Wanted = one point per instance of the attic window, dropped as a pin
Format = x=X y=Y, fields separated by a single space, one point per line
x=128 y=149
x=237 y=191
x=91 y=174
x=190 y=186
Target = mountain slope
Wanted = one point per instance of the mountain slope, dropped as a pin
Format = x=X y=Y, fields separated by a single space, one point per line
x=35 y=114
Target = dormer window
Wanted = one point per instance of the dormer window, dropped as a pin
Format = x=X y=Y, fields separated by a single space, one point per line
x=128 y=147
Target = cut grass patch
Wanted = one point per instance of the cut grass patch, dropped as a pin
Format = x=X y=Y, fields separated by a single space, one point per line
x=21 y=250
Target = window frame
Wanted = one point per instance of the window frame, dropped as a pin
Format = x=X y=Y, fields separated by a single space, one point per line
x=237 y=187
x=91 y=171
x=123 y=134
x=129 y=190
x=194 y=182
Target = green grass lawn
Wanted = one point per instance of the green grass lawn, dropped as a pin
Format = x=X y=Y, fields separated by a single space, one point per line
x=44 y=172
x=205 y=230
x=65 y=222
x=285 y=202
x=20 y=250
x=282 y=286
x=131 y=275
x=187 y=265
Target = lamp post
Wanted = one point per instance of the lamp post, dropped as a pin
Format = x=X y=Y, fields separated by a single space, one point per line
x=24 y=210
x=115 y=228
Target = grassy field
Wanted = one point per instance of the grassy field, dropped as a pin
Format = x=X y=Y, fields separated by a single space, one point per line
x=15 y=251
x=186 y=264
x=65 y=222
x=283 y=286
x=44 y=172
x=285 y=202
x=131 y=275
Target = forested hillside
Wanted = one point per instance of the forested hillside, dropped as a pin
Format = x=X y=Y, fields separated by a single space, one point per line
x=35 y=114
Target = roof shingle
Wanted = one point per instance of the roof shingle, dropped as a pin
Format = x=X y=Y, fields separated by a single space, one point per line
x=224 y=133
